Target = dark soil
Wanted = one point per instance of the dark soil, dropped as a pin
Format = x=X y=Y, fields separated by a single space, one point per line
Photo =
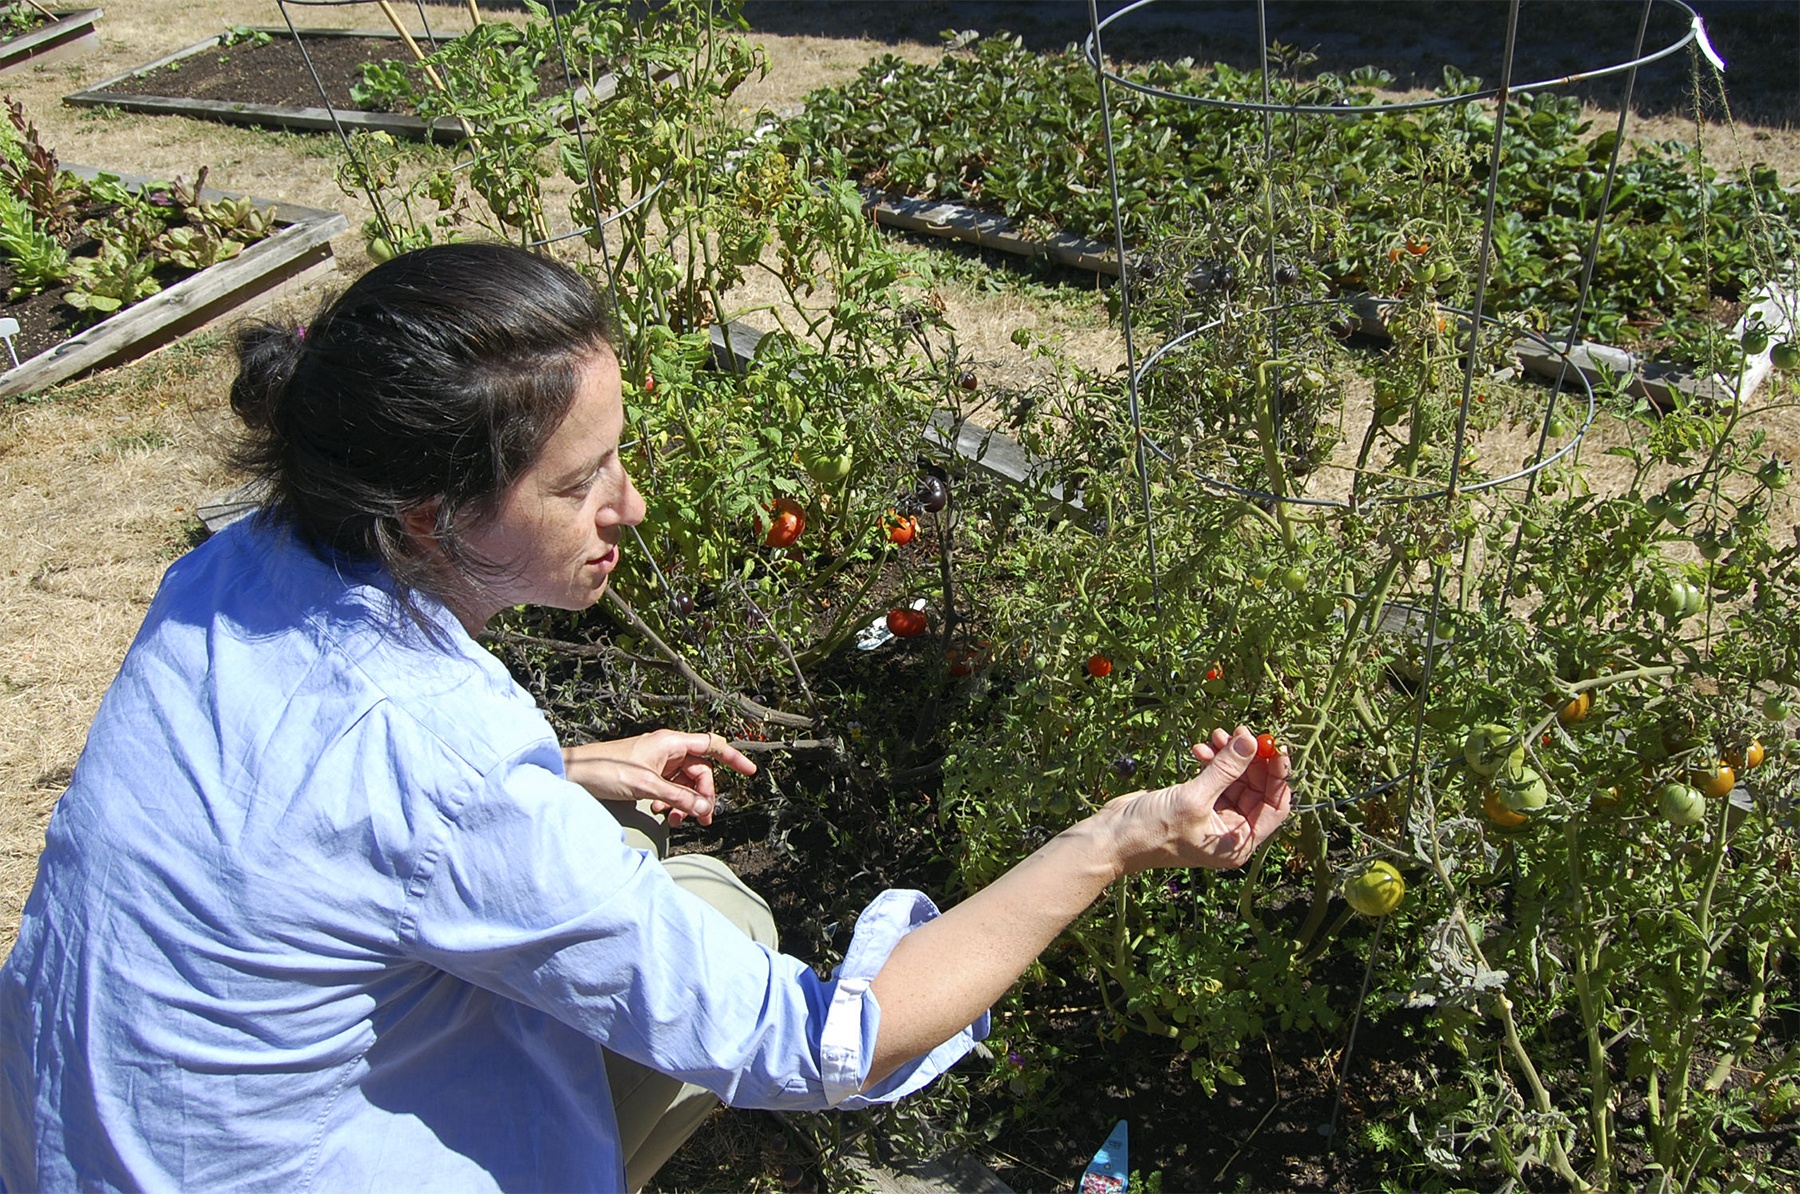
x=276 y=73
x=44 y=320
x=18 y=24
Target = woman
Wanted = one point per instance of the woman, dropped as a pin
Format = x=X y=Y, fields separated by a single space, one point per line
x=322 y=907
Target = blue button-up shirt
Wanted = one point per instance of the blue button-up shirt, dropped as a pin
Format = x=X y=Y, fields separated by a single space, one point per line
x=321 y=911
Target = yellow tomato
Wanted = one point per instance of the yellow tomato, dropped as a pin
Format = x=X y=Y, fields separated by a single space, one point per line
x=1498 y=813
x=1714 y=782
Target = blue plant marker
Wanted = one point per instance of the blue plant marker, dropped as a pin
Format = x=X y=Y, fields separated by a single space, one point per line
x=1109 y=1171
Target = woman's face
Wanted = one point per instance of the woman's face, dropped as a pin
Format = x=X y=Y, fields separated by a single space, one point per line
x=554 y=537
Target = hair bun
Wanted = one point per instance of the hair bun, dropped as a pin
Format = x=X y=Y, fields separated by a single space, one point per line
x=268 y=354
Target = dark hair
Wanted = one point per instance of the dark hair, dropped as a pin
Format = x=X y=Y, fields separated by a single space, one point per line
x=438 y=375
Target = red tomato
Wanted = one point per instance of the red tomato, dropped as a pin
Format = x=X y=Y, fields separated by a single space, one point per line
x=1266 y=747
x=901 y=530
x=1213 y=672
x=906 y=623
x=1099 y=667
x=789 y=521
x=962 y=661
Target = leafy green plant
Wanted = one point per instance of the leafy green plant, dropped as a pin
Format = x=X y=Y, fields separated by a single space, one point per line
x=111 y=279
x=1020 y=132
x=1538 y=938
x=30 y=170
x=37 y=260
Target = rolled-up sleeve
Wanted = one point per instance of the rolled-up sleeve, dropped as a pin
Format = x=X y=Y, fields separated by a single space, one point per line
x=847 y=1045
x=533 y=894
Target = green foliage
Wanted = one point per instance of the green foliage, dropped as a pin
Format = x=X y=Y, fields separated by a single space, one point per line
x=111 y=279
x=37 y=260
x=244 y=35
x=1592 y=957
x=44 y=210
x=1020 y=132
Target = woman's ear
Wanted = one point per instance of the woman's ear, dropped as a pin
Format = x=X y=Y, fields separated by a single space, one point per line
x=419 y=523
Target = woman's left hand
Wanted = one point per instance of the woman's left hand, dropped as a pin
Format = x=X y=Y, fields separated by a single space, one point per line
x=669 y=768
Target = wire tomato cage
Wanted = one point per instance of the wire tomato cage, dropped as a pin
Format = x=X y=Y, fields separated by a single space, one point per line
x=1140 y=367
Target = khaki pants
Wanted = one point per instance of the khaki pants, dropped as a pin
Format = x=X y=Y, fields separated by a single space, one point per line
x=658 y=1113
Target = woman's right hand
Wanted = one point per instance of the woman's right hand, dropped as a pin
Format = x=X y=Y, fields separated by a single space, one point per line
x=1217 y=819
x=671 y=769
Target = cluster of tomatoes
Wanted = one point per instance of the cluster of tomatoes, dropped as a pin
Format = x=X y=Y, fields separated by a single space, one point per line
x=1785 y=356
x=931 y=495
x=1683 y=803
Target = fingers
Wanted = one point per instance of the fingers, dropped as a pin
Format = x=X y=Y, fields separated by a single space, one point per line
x=682 y=803
x=678 y=748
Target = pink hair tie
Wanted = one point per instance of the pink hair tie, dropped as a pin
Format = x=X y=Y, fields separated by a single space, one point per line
x=300 y=332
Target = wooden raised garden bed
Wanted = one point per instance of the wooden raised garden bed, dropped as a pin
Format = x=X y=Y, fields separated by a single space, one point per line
x=262 y=79
x=1660 y=383
x=65 y=34
x=301 y=244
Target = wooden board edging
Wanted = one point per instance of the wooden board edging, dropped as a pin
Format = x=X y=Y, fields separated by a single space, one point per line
x=302 y=118
x=72 y=33
x=302 y=244
x=1662 y=384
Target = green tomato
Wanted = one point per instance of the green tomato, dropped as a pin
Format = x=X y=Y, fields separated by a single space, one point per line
x=1488 y=748
x=825 y=466
x=1709 y=544
x=1786 y=356
x=1774 y=474
x=1755 y=340
x=1693 y=599
x=1294 y=580
x=1377 y=891
x=1523 y=790
x=1672 y=602
x=380 y=249
x=1680 y=804
x=1776 y=707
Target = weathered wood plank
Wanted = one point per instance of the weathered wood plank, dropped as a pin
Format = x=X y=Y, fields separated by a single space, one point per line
x=991 y=454
x=220 y=511
x=954 y=221
x=967 y=1176
x=71 y=34
x=302 y=244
